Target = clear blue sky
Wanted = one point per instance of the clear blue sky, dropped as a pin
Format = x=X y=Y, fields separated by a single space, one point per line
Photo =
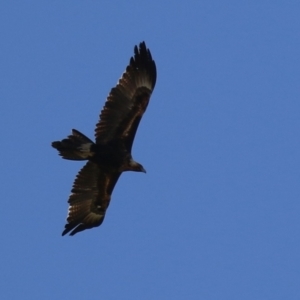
x=217 y=214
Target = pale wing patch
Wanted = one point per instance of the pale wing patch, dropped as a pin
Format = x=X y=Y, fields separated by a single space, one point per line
x=144 y=81
x=85 y=150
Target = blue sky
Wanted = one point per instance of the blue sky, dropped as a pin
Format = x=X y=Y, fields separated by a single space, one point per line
x=217 y=214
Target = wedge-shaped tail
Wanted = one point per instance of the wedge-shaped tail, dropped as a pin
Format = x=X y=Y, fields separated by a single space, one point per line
x=75 y=147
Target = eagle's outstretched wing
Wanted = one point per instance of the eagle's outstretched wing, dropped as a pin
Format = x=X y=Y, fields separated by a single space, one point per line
x=127 y=102
x=90 y=198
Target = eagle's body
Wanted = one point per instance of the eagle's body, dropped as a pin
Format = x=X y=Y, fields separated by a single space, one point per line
x=110 y=154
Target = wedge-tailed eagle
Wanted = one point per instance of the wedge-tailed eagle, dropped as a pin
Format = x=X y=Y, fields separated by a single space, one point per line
x=110 y=154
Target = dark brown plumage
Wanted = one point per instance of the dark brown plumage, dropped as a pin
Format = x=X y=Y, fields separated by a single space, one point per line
x=110 y=155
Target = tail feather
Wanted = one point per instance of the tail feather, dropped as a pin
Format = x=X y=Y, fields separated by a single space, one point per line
x=75 y=147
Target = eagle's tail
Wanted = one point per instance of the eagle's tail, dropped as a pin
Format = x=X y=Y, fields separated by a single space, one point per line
x=75 y=147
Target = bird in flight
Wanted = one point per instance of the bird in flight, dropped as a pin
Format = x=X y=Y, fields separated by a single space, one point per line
x=110 y=154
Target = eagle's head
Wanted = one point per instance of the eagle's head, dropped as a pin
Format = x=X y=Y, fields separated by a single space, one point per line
x=135 y=166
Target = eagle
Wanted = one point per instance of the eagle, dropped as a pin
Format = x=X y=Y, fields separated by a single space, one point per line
x=110 y=155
